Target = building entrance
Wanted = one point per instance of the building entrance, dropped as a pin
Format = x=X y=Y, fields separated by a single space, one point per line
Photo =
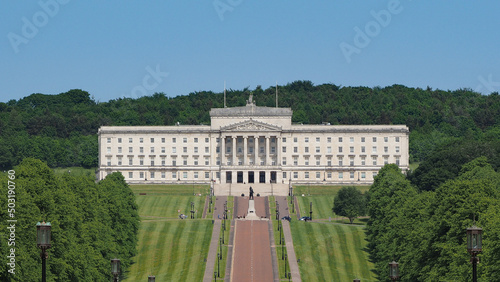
x=228 y=177
x=273 y=176
x=262 y=177
x=239 y=177
x=251 y=177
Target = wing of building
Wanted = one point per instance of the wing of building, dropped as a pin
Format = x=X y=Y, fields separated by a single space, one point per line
x=251 y=144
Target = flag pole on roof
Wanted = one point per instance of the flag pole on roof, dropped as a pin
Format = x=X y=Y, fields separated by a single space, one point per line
x=276 y=93
x=224 y=93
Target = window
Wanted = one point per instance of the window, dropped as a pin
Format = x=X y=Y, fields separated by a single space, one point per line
x=329 y=175
x=386 y=160
x=341 y=175
x=174 y=175
x=363 y=161
x=329 y=139
x=318 y=161
x=207 y=150
x=386 y=139
x=341 y=161
x=141 y=174
x=306 y=161
x=397 y=149
x=273 y=150
x=262 y=150
x=184 y=140
x=195 y=140
x=108 y=150
x=174 y=162
x=362 y=139
x=295 y=160
x=386 y=149
x=283 y=149
x=108 y=140
x=141 y=161
x=363 y=149
x=374 y=160
x=250 y=150
x=130 y=175
x=329 y=161
x=217 y=149
x=130 y=140
x=295 y=175
x=306 y=139
x=318 y=175
x=152 y=140
x=351 y=149
x=141 y=140
x=119 y=140
x=119 y=150
x=174 y=140
x=162 y=174
x=283 y=162
x=185 y=175
x=119 y=161
x=351 y=161
x=295 y=149
x=184 y=161
x=328 y=150
x=306 y=149
x=163 y=161
x=228 y=149
x=217 y=140
x=196 y=175
x=196 y=150
x=108 y=161
x=318 y=139
x=363 y=175
x=196 y=161
x=306 y=175
x=284 y=174
x=273 y=140
x=374 y=149
x=340 y=139
x=374 y=139
x=163 y=141
x=397 y=160
x=218 y=161
x=184 y=149
x=152 y=149
x=351 y=139
x=152 y=174
x=318 y=150
x=174 y=150
x=284 y=141
x=130 y=161
x=340 y=149
x=206 y=140
x=397 y=139
x=152 y=162
x=141 y=150
x=130 y=150
x=206 y=161
x=163 y=150
x=351 y=174
x=295 y=139
x=207 y=175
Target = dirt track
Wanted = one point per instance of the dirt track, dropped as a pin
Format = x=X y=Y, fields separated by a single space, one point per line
x=252 y=252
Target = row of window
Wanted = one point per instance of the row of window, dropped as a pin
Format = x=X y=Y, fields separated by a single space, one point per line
x=262 y=161
x=284 y=139
x=306 y=175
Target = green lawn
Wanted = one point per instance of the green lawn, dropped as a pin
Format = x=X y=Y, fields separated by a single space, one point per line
x=331 y=252
x=172 y=250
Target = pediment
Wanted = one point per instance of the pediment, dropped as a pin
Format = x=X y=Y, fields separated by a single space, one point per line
x=251 y=125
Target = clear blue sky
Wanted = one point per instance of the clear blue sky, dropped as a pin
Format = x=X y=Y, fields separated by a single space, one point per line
x=116 y=49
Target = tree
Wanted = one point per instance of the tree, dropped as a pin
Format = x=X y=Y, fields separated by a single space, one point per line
x=349 y=202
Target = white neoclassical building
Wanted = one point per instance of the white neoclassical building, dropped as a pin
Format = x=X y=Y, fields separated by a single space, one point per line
x=251 y=144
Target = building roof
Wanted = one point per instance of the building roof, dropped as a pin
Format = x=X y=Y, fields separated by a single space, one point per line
x=250 y=110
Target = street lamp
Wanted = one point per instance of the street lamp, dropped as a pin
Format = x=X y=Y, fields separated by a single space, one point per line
x=115 y=269
x=394 y=271
x=151 y=278
x=43 y=242
x=474 y=247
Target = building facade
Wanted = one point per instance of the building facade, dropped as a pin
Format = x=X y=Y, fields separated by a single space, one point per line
x=251 y=144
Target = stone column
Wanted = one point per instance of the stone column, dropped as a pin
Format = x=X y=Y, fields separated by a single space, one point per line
x=278 y=151
x=234 y=145
x=245 y=148
x=266 y=151
x=256 y=149
x=222 y=151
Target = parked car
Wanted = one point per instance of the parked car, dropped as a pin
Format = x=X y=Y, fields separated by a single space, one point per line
x=286 y=218
x=305 y=218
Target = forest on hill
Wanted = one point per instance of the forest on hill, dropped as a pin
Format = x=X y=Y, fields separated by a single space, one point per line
x=62 y=129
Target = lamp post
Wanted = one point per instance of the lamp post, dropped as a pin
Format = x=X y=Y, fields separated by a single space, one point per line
x=474 y=247
x=151 y=278
x=115 y=269
x=311 y=210
x=394 y=271
x=43 y=242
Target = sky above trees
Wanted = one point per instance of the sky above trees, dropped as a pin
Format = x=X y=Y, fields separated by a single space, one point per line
x=114 y=49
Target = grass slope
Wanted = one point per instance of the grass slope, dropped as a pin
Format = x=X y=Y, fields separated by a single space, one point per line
x=331 y=252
